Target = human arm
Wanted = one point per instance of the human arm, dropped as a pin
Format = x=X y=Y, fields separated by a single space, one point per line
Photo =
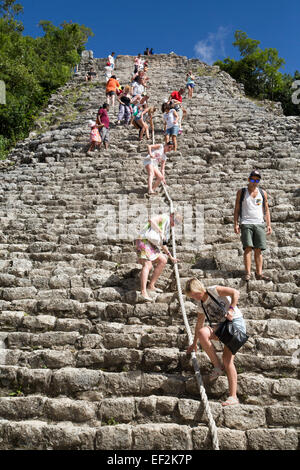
x=229 y=292
x=267 y=215
x=163 y=164
x=237 y=212
x=153 y=147
x=199 y=325
x=167 y=252
x=176 y=117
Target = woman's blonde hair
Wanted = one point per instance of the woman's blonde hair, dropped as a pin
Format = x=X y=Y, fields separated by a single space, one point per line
x=126 y=89
x=194 y=286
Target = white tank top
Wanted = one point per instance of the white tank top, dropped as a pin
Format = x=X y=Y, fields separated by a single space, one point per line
x=252 y=209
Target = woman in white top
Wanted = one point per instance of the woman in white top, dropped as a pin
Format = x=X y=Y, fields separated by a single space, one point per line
x=171 y=125
x=157 y=155
x=149 y=254
x=228 y=298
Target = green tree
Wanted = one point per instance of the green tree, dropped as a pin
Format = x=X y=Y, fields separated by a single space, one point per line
x=259 y=71
x=32 y=69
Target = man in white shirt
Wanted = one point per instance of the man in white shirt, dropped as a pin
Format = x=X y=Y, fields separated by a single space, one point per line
x=252 y=207
x=111 y=60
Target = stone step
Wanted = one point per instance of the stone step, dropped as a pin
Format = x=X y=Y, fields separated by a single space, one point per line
x=136 y=411
x=253 y=388
x=258 y=356
x=38 y=435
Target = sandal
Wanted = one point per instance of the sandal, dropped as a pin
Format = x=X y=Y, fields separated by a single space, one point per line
x=231 y=401
x=261 y=277
x=247 y=277
x=216 y=372
x=148 y=299
x=156 y=289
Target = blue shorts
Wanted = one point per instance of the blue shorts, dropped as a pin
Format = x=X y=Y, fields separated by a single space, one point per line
x=191 y=85
x=240 y=324
x=172 y=130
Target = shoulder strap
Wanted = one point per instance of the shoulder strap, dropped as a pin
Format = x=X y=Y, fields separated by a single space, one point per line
x=243 y=191
x=206 y=314
x=216 y=301
x=264 y=199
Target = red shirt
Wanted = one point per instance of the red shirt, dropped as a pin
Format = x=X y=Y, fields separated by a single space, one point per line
x=176 y=96
x=104 y=117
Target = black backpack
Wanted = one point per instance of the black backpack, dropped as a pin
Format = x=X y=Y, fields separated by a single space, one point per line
x=243 y=196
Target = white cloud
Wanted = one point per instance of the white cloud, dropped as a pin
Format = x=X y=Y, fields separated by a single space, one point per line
x=207 y=49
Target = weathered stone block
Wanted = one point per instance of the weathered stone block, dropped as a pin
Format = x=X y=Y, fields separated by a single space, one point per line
x=161 y=437
x=122 y=410
x=114 y=438
x=272 y=439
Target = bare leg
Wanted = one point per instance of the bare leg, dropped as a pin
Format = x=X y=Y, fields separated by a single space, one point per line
x=258 y=260
x=150 y=172
x=147 y=265
x=247 y=259
x=174 y=139
x=159 y=178
x=228 y=360
x=205 y=336
x=146 y=127
x=160 y=262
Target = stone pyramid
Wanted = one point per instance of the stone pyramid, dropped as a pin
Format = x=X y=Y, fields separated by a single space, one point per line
x=84 y=364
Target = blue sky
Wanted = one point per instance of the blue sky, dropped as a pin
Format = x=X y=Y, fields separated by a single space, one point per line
x=203 y=29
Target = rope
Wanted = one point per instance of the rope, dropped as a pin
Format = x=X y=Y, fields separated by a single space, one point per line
x=211 y=422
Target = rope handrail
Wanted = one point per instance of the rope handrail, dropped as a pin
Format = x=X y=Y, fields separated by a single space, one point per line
x=211 y=422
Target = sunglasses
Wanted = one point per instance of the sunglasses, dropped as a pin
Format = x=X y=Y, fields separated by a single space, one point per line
x=254 y=181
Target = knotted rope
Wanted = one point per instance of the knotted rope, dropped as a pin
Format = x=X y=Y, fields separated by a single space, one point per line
x=211 y=422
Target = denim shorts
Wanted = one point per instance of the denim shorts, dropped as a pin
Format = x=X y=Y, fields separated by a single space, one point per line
x=192 y=85
x=240 y=324
x=104 y=132
x=172 y=130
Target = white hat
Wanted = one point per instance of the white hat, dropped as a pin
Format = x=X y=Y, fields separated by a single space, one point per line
x=92 y=123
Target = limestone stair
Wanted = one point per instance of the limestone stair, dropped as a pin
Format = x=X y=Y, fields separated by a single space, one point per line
x=84 y=363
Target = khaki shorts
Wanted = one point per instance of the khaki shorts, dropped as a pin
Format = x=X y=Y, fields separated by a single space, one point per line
x=253 y=235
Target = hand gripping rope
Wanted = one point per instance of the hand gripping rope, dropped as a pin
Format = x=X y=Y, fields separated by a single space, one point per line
x=211 y=423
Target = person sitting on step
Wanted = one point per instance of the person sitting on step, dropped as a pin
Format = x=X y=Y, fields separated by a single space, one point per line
x=228 y=298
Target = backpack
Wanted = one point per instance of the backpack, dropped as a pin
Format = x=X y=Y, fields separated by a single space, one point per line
x=243 y=196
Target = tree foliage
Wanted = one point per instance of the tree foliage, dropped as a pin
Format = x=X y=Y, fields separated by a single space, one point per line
x=33 y=69
x=259 y=71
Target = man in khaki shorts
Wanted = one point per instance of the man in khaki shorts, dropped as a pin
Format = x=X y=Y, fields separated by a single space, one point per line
x=252 y=207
